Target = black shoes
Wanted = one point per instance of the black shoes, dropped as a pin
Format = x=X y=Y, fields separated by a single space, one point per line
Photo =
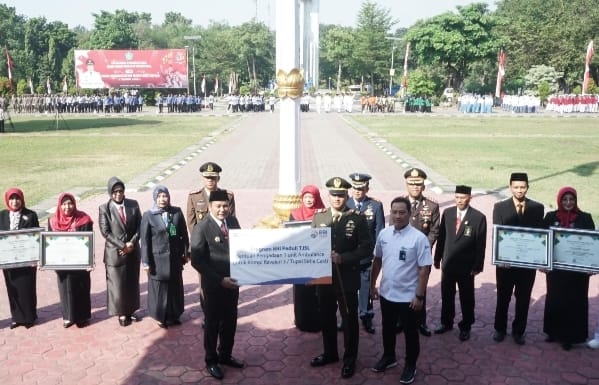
x=124 y=321
x=519 y=338
x=232 y=362
x=322 y=360
x=443 y=329
x=14 y=325
x=215 y=371
x=424 y=330
x=348 y=370
x=408 y=374
x=464 y=335
x=367 y=322
x=67 y=324
x=498 y=336
x=82 y=324
x=384 y=364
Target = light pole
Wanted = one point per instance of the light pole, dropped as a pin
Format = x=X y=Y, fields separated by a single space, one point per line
x=392 y=70
x=329 y=84
x=193 y=60
x=187 y=61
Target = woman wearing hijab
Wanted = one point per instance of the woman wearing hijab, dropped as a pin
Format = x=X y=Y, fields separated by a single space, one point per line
x=566 y=305
x=164 y=245
x=305 y=302
x=20 y=281
x=311 y=202
x=73 y=285
x=119 y=221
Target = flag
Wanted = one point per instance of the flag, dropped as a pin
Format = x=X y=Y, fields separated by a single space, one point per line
x=65 y=86
x=587 y=70
x=10 y=66
x=404 y=81
x=216 y=85
x=204 y=84
x=500 y=73
x=48 y=86
x=30 y=86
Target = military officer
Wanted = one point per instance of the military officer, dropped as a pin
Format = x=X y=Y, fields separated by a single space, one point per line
x=350 y=243
x=372 y=209
x=198 y=202
x=426 y=218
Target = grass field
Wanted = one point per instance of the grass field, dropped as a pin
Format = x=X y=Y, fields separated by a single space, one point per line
x=43 y=160
x=483 y=151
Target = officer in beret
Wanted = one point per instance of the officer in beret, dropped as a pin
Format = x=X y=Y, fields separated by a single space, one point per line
x=425 y=217
x=372 y=209
x=198 y=201
x=350 y=243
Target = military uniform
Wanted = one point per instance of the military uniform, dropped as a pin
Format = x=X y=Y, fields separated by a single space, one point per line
x=425 y=216
x=352 y=242
x=372 y=209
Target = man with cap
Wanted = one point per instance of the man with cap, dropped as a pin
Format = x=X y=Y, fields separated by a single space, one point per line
x=461 y=250
x=425 y=217
x=350 y=243
x=210 y=257
x=372 y=209
x=197 y=201
x=519 y=211
x=91 y=78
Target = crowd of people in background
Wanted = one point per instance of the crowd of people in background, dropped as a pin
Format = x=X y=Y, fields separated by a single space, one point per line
x=115 y=102
x=475 y=104
x=572 y=103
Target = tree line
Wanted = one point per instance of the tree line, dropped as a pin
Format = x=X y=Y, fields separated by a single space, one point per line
x=544 y=41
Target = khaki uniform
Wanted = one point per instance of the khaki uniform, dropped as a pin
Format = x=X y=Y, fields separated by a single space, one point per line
x=197 y=206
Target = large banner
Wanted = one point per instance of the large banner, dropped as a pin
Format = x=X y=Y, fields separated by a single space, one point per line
x=166 y=68
x=274 y=256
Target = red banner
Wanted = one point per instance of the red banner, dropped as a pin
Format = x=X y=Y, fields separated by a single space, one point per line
x=165 y=68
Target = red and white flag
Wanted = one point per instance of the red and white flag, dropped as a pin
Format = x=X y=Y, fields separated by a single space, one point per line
x=30 y=83
x=587 y=70
x=10 y=66
x=203 y=84
x=404 y=81
x=48 y=86
x=500 y=73
x=216 y=85
x=65 y=85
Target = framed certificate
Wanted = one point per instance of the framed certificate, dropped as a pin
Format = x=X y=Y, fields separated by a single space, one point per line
x=523 y=247
x=20 y=247
x=67 y=250
x=576 y=250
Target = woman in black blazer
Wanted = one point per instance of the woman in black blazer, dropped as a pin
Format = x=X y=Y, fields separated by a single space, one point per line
x=20 y=281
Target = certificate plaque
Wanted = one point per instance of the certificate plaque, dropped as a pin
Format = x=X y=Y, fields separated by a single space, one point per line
x=20 y=247
x=67 y=250
x=523 y=247
x=576 y=250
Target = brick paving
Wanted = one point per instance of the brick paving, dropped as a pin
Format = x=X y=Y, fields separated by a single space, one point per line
x=276 y=352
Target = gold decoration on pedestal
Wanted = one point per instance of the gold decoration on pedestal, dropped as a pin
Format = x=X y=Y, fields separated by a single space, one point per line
x=290 y=84
x=282 y=205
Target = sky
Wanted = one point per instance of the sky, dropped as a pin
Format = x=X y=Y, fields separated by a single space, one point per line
x=201 y=12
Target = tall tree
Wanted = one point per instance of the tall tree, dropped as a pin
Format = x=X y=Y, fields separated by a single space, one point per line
x=115 y=30
x=456 y=41
x=336 y=46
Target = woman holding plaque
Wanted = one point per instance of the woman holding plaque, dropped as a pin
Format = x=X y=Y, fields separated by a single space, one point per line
x=305 y=302
x=20 y=281
x=73 y=285
x=164 y=245
x=566 y=305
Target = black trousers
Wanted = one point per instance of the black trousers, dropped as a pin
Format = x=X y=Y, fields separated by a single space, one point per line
x=220 y=323
x=518 y=281
x=465 y=284
x=391 y=312
x=328 y=298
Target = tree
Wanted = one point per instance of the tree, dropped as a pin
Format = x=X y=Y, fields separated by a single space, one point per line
x=336 y=47
x=115 y=30
x=541 y=74
x=456 y=41
x=420 y=83
x=371 y=56
x=255 y=45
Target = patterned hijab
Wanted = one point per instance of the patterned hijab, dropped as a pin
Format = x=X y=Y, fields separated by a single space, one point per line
x=304 y=213
x=61 y=222
x=14 y=191
x=566 y=218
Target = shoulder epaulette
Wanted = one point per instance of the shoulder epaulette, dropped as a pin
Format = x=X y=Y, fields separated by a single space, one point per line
x=320 y=211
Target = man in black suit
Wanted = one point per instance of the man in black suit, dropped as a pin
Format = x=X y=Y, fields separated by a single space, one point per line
x=461 y=249
x=210 y=257
x=350 y=243
x=522 y=212
x=425 y=217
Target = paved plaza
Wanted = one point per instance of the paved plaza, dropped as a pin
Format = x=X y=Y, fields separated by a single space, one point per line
x=275 y=351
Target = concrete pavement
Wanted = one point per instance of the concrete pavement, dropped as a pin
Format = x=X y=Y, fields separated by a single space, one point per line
x=276 y=352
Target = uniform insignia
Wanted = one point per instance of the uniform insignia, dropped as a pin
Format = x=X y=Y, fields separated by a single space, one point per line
x=349 y=228
x=414 y=172
x=210 y=168
x=337 y=182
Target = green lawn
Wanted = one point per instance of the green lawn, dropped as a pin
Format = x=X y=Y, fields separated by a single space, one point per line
x=483 y=151
x=43 y=160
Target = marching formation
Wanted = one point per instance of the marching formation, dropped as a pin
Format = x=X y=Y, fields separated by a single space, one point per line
x=369 y=261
